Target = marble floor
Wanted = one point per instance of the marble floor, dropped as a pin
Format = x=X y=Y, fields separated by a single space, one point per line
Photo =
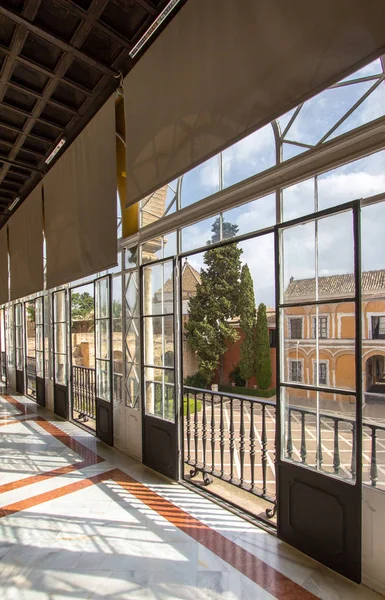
x=81 y=520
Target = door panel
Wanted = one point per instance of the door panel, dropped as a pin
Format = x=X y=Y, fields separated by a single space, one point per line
x=19 y=381
x=103 y=362
x=61 y=400
x=19 y=348
x=160 y=423
x=319 y=406
x=319 y=516
x=39 y=346
x=40 y=391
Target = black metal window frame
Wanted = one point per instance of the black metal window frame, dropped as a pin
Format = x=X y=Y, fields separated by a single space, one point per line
x=355 y=208
x=106 y=320
x=56 y=322
x=30 y=361
x=167 y=386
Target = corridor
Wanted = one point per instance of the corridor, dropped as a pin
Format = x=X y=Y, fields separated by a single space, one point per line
x=81 y=520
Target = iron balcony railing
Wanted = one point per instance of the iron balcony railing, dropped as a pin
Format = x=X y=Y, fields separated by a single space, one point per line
x=232 y=437
x=31 y=374
x=83 y=392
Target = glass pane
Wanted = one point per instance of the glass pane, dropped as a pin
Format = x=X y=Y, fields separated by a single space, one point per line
x=298 y=199
x=249 y=217
x=159 y=341
x=159 y=393
x=132 y=340
x=200 y=182
x=158 y=289
x=59 y=306
x=298 y=248
x=103 y=382
x=299 y=348
x=19 y=359
x=201 y=234
x=103 y=339
x=132 y=293
x=159 y=248
x=39 y=311
x=319 y=437
x=39 y=364
x=254 y=154
x=336 y=343
x=132 y=386
x=39 y=338
x=19 y=337
x=61 y=369
x=60 y=338
x=102 y=301
x=336 y=256
x=18 y=315
x=117 y=333
x=131 y=257
x=358 y=179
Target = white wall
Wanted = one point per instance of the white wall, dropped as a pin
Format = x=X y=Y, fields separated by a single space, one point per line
x=373 y=539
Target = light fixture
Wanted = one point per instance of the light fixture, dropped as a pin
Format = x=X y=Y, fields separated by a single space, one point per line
x=151 y=30
x=55 y=151
x=16 y=201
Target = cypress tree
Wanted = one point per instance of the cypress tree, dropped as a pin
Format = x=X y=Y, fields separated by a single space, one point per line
x=262 y=350
x=215 y=304
x=247 y=323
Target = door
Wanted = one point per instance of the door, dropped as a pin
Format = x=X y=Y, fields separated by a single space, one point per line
x=30 y=347
x=160 y=429
x=39 y=350
x=19 y=348
x=103 y=362
x=3 y=353
x=61 y=403
x=319 y=390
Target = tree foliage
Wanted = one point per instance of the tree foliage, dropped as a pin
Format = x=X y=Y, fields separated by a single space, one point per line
x=247 y=323
x=262 y=350
x=215 y=304
x=82 y=306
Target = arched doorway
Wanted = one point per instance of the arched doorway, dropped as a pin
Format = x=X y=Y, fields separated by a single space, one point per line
x=375 y=375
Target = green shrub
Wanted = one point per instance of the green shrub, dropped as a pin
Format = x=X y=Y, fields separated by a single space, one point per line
x=247 y=391
x=197 y=380
x=236 y=377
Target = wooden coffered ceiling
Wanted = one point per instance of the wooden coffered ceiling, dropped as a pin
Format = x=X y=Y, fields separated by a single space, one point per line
x=60 y=60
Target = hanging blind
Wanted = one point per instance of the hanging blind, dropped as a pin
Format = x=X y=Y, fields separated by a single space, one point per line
x=80 y=204
x=26 y=246
x=222 y=69
x=3 y=265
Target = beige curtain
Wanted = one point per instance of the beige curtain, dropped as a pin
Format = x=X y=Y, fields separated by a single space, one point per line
x=26 y=246
x=223 y=68
x=4 y=265
x=80 y=198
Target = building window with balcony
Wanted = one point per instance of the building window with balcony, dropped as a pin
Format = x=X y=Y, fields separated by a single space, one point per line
x=322 y=373
x=295 y=328
x=322 y=327
x=295 y=370
x=378 y=328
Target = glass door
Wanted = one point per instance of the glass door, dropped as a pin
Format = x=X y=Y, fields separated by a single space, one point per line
x=3 y=353
x=103 y=362
x=160 y=429
x=61 y=404
x=319 y=390
x=19 y=348
x=30 y=347
x=39 y=350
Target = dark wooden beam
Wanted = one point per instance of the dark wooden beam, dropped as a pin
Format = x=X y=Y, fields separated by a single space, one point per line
x=55 y=41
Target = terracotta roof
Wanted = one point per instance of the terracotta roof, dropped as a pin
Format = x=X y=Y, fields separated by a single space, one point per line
x=190 y=279
x=334 y=285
